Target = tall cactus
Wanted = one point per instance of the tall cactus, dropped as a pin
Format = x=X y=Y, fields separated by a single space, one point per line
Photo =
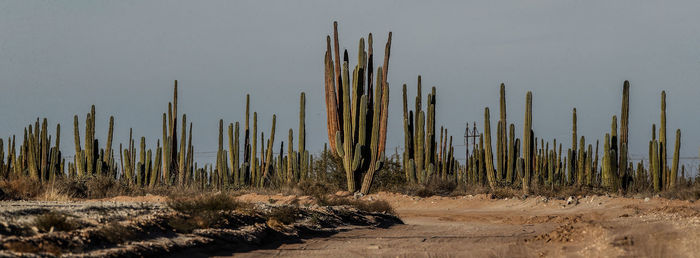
x=527 y=144
x=421 y=147
x=502 y=137
x=490 y=175
x=268 y=155
x=510 y=166
x=574 y=151
x=303 y=165
x=624 y=133
x=361 y=155
x=673 y=177
x=663 y=159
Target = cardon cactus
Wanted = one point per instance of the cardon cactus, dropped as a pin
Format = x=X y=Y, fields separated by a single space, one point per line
x=349 y=106
x=624 y=133
x=421 y=148
x=673 y=176
x=490 y=175
x=528 y=137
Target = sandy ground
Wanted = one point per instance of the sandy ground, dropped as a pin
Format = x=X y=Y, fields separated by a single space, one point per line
x=477 y=226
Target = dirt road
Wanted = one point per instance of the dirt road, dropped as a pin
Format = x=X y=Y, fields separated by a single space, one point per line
x=476 y=226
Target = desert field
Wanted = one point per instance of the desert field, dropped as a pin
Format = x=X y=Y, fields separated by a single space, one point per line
x=458 y=226
x=478 y=226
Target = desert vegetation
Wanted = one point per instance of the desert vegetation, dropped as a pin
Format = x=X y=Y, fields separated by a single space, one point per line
x=355 y=157
x=267 y=191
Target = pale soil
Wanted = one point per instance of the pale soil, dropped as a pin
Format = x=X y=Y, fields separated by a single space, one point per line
x=465 y=226
x=477 y=226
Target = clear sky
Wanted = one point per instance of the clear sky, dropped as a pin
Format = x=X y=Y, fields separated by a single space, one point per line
x=59 y=57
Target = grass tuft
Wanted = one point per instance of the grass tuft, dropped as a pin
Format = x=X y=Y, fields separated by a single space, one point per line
x=54 y=221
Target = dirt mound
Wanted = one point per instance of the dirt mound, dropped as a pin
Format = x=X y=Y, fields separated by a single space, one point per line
x=117 y=228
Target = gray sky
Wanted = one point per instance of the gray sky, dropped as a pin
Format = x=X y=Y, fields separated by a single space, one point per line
x=57 y=58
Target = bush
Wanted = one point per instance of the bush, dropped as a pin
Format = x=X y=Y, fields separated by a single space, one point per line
x=202 y=212
x=286 y=214
x=20 y=189
x=54 y=221
x=314 y=189
x=204 y=203
x=437 y=186
x=367 y=206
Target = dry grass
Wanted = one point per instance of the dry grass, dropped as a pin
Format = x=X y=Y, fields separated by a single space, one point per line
x=286 y=214
x=54 y=221
x=683 y=192
x=368 y=206
x=203 y=211
x=53 y=194
x=20 y=189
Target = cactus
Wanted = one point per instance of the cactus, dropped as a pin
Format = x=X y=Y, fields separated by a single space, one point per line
x=527 y=144
x=673 y=176
x=361 y=155
x=502 y=137
x=254 y=151
x=427 y=155
x=663 y=158
x=572 y=161
x=268 y=155
x=511 y=156
x=290 y=156
x=304 y=166
x=655 y=166
x=624 y=133
x=490 y=175
x=607 y=175
x=580 y=162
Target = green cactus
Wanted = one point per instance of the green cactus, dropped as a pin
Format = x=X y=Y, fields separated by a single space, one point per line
x=290 y=156
x=302 y=133
x=490 y=175
x=511 y=156
x=580 y=165
x=502 y=137
x=663 y=158
x=624 y=133
x=673 y=177
x=361 y=154
x=574 y=151
x=527 y=144
x=268 y=156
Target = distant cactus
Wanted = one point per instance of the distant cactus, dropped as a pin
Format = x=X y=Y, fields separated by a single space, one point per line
x=527 y=144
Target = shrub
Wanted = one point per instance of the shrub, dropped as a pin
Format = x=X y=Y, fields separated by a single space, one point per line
x=203 y=211
x=20 y=189
x=54 y=221
x=286 y=214
x=367 y=206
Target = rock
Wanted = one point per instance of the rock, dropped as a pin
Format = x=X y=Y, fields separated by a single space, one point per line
x=358 y=195
x=646 y=199
x=342 y=193
x=571 y=200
